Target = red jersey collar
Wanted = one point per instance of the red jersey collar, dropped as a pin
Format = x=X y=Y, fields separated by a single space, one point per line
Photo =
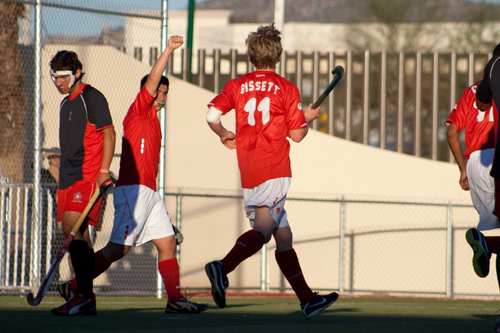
x=72 y=97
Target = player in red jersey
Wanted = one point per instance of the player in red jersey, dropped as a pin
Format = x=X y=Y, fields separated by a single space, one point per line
x=475 y=166
x=268 y=112
x=488 y=97
x=140 y=213
x=87 y=141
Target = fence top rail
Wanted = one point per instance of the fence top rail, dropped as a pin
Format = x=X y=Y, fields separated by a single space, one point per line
x=179 y=193
x=90 y=10
x=16 y=185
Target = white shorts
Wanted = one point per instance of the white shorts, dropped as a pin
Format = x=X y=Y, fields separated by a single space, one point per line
x=272 y=194
x=482 y=187
x=140 y=216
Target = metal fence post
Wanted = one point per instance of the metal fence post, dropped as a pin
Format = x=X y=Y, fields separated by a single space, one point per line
x=418 y=105
x=178 y=219
x=383 y=99
x=401 y=96
x=216 y=71
x=348 y=105
x=342 y=246
x=435 y=105
x=449 y=252
x=3 y=215
x=263 y=269
x=36 y=244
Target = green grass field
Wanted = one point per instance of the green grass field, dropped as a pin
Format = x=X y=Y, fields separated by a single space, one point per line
x=276 y=315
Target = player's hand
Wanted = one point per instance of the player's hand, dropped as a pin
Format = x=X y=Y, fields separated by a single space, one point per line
x=101 y=178
x=228 y=140
x=464 y=182
x=175 y=42
x=311 y=114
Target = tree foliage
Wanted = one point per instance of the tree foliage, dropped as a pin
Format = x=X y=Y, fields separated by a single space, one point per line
x=423 y=25
x=13 y=108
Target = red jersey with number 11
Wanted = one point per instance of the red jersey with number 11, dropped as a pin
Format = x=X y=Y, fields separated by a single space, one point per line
x=267 y=108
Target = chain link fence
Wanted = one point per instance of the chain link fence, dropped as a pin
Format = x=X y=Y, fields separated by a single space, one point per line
x=29 y=115
x=351 y=245
x=344 y=244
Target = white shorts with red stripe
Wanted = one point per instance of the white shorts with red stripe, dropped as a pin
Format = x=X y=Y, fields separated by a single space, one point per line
x=140 y=216
x=482 y=187
x=272 y=194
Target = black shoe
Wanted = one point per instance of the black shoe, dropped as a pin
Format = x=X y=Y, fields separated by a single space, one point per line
x=481 y=257
x=219 y=282
x=65 y=290
x=184 y=306
x=318 y=304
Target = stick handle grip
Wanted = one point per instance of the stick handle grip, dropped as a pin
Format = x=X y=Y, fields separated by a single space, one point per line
x=319 y=101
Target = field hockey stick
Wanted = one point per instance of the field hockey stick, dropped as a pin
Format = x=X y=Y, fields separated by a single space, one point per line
x=47 y=281
x=338 y=72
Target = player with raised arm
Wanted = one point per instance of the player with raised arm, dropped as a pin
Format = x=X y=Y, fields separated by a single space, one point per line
x=87 y=141
x=488 y=96
x=268 y=112
x=140 y=213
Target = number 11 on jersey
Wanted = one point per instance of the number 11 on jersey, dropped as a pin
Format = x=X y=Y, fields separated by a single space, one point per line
x=264 y=106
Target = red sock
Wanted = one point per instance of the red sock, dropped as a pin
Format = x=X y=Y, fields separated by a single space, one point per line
x=493 y=243
x=246 y=246
x=101 y=265
x=169 y=271
x=290 y=267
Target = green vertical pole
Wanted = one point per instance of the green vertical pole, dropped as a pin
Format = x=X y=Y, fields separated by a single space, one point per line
x=189 y=42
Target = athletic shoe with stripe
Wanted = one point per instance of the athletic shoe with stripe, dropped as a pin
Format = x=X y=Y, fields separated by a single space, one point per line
x=319 y=303
x=481 y=257
x=184 y=306
x=65 y=291
x=77 y=306
x=219 y=282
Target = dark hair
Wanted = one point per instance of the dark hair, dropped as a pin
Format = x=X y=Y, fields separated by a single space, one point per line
x=163 y=80
x=264 y=47
x=496 y=51
x=66 y=60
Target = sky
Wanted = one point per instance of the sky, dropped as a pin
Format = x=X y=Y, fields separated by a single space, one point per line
x=58 y=21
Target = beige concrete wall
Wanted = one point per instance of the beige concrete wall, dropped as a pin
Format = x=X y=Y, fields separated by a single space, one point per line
x=320 y=164
x=378 y=255
x=196 y=158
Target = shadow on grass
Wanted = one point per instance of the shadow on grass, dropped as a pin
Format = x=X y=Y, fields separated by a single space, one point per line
x=128 y=314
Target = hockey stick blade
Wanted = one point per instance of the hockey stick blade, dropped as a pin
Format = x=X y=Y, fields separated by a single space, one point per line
x=179 y=238
x=47 y=281
x=34 y=301
x=338 y=72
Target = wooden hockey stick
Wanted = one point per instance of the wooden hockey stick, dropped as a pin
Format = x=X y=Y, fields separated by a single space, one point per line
x=47 y=281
